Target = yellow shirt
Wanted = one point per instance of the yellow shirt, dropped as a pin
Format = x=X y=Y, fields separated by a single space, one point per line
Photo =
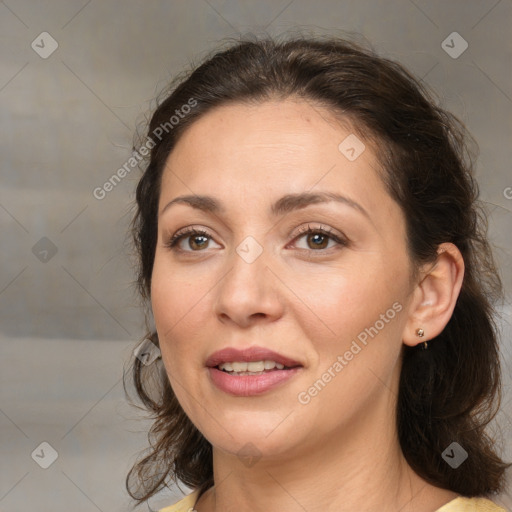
x=456 y=505
x=185 y=505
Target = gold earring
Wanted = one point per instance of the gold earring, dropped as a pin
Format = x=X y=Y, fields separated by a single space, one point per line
x=420 y=333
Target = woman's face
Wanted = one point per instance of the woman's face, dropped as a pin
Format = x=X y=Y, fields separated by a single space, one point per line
x=331 y=303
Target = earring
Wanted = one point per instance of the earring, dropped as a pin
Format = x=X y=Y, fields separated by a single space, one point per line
x=420 y=333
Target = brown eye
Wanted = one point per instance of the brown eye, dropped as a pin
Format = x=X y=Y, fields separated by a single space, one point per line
x=190 y=240
x=198 y=242
x=317 y=241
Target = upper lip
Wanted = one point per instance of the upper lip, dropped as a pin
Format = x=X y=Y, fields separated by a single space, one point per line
x=230 y=354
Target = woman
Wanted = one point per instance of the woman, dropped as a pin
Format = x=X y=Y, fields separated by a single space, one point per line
x=312 y=249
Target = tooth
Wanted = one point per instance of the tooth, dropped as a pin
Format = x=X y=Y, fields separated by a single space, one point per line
x=256 y=366
x=249 y=373
x=239 y=367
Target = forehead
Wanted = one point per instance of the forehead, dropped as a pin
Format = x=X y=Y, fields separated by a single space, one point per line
x=281 y=146
x=290 y=128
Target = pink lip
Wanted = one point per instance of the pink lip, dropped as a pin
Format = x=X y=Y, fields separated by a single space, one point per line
x=250 y=385
x=228 y=355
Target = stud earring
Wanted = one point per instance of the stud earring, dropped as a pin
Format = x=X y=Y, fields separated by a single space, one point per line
x=420 y=333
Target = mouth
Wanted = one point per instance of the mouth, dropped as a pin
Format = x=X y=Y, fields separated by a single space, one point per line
x=250 y=360
x=251 y=371
x=240 y=368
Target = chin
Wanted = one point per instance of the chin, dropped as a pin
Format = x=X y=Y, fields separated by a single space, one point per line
x=266 y=433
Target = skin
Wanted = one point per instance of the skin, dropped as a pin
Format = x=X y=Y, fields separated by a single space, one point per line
x=339 y=451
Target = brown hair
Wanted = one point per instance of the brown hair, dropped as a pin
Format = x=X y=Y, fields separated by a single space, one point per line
x=447 y=393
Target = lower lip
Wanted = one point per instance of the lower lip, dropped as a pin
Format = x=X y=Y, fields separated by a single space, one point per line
x=250 y=385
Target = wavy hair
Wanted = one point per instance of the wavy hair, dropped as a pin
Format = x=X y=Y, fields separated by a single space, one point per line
x=447 y=393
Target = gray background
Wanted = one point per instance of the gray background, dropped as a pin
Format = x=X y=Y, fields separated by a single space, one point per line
x=70 y=320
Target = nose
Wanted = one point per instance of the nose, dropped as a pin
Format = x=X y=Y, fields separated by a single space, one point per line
x=248 y=293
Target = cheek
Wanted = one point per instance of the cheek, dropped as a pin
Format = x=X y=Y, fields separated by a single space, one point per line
x=339 y=304
x=177 y=308
x=333 y=306
x=174 y=292
x=176 y=301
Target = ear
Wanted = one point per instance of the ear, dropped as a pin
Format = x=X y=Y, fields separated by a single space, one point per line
x=435 y=295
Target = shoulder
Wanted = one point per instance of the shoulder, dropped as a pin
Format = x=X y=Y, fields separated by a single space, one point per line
x=471 y=505
x=184 y=505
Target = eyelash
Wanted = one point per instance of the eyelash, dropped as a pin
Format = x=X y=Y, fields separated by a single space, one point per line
x=322 y=231
x=179 y=235
x=189 y=232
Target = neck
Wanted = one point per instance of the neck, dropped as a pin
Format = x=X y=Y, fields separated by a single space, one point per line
x=360 y=468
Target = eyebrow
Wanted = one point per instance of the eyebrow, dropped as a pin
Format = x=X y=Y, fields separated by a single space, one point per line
x=285 y=204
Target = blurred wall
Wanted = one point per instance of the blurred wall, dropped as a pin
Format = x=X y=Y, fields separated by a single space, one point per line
x=76 y=76
x=68 y=120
